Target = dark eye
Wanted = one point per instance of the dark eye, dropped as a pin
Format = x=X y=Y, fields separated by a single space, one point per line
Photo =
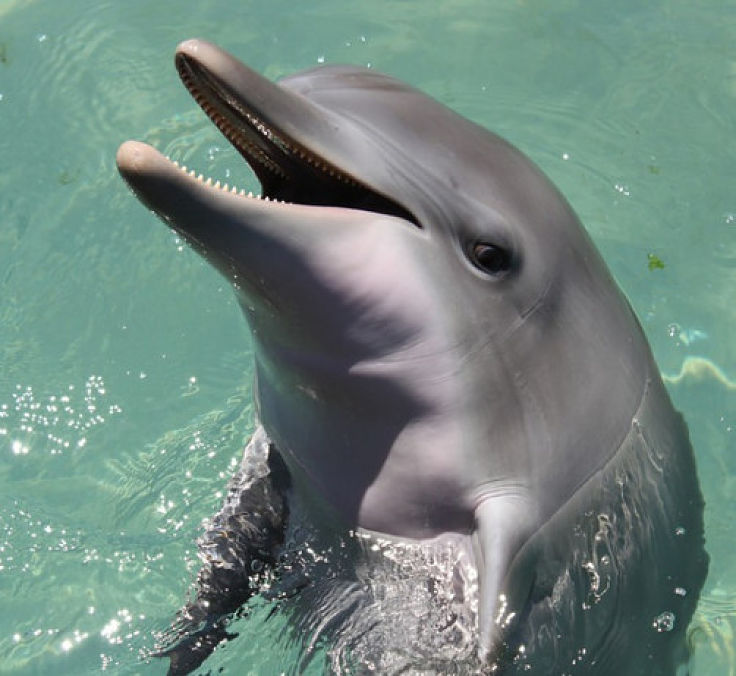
x=491 y=258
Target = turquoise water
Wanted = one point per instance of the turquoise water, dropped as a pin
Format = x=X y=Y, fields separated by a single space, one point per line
x=124 y=362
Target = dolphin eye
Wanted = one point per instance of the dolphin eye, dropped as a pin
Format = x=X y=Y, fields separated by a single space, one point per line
x=490 y=258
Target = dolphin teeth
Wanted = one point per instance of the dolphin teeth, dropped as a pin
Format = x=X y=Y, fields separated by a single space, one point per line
x=252 y=149
x=208 y=181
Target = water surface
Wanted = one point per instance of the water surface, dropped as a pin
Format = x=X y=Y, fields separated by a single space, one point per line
x=124 y=363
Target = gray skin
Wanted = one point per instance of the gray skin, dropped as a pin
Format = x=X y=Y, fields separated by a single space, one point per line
x=439 y=348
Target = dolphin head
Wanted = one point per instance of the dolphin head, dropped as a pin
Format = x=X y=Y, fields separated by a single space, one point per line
x=343 y=138
x=435 y=335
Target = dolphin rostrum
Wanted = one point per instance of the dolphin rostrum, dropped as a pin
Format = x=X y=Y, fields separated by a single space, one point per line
x=441 y=352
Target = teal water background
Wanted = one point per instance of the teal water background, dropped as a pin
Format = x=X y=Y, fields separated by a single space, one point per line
x=125 y=364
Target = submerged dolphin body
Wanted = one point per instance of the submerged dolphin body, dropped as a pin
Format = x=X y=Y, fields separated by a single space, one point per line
x=440 y=351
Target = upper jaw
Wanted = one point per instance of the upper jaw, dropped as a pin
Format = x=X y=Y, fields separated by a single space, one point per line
x=299 y=151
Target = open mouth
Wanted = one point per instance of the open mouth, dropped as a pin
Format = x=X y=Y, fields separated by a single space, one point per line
x=288 y=170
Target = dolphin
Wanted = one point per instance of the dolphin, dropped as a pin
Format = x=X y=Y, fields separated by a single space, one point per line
x=441 y=352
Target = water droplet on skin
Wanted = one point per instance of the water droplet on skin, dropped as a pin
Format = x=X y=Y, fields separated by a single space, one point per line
x=664 y=622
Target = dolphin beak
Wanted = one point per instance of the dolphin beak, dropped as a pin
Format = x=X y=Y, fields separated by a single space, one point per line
x=300 y=152
x=266 y=123
x=238 y=233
